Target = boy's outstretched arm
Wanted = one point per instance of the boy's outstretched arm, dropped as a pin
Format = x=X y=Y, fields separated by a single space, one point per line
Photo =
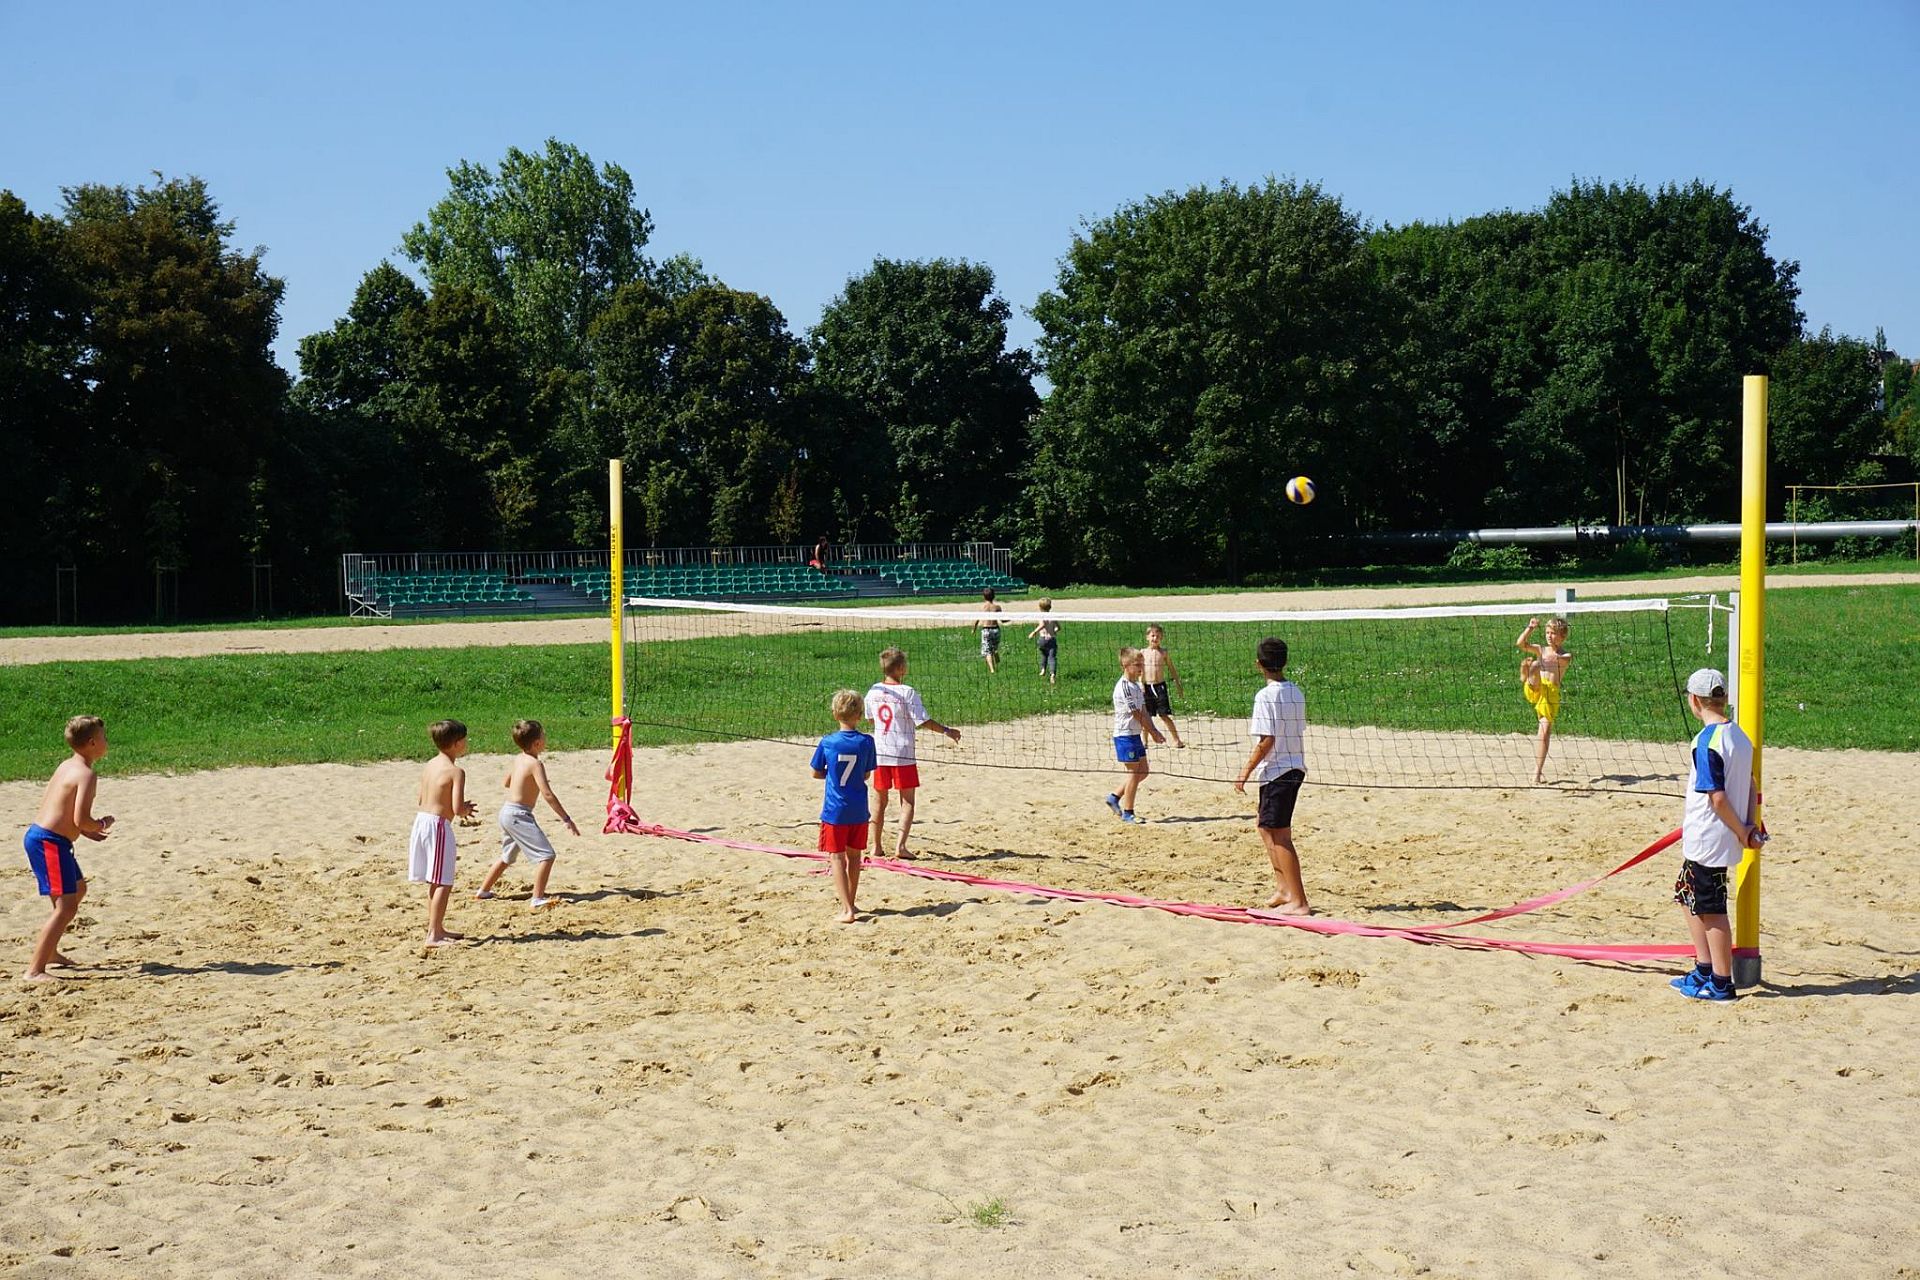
x=553 y=801
x=1179 y=687
x=1521 y=642
x=937 y=727
x=1260 y=749
x=1140 y=718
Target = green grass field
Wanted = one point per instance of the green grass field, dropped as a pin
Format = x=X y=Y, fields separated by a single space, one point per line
x=1843 y=671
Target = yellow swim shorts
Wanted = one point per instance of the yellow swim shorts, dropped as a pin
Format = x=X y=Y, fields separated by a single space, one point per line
x=1545 y=700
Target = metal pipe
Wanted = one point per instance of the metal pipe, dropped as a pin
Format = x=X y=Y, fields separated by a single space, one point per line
x=1817 y=531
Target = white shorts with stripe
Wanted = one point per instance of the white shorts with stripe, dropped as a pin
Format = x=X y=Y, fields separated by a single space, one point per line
x=430 y=850
x=519 y=834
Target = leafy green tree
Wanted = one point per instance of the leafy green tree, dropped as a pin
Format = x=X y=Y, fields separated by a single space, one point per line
x=1203 y=347
x=1823 y=424
x=547 y=236
x=911 y=361
x=1465 y=322
x=465 y=423
x=42 y=403
x=183 y=394
x=428 y=416
x=1658 y=302
x=705 y=393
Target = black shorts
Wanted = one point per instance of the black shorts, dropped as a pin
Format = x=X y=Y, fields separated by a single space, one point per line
x=1158 y=703
x=1701 y=889
x=1277 y=796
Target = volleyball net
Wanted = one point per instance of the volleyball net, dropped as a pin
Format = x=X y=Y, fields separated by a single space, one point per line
x=1407 y=697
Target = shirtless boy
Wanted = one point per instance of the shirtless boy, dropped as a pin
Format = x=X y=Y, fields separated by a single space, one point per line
x=430 y=851
x=989 y=629
x=1541 y=676
x=1156 y=669
x=66 y=812
x=519 y=833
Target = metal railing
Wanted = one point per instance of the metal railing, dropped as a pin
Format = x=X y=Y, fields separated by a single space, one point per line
x=359 y=571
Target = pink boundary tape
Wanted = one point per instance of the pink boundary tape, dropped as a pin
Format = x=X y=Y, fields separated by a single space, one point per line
x=621 y=819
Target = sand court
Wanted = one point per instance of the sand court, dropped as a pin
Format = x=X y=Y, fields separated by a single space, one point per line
x=684 y=1069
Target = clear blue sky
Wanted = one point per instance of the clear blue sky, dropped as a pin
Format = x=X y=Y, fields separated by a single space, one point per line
x=788 y=145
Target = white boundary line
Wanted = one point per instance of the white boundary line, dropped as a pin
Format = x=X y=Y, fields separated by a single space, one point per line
x=1545 y=609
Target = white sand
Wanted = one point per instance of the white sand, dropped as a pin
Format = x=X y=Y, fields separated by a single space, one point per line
x=685 y=1071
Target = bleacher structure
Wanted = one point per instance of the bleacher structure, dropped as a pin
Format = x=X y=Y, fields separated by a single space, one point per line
x=429 y=584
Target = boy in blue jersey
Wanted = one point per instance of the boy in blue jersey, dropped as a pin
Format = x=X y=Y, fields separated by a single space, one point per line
x=845 y=758
x=1716 y=830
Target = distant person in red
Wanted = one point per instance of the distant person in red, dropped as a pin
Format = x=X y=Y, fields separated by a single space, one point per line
x=821 y=550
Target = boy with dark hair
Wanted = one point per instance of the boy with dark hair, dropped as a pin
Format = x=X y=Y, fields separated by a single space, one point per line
x=525 y=783
x=844 y=759
x=989 y=629
x=1279 y=759
x=1716 y=830
x=430 y=849
x=66 y=813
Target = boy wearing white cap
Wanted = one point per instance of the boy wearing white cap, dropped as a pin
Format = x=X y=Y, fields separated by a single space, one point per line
x=1715 y=831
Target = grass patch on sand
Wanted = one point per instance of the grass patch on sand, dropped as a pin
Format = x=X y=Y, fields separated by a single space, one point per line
x=1843 y=670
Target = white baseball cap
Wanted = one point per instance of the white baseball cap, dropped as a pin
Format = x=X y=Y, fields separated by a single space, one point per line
x=1707 y=683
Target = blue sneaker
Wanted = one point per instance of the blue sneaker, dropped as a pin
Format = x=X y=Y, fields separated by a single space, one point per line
x=1127 y=815
x=1113 y=803
x=1688 y=983
x=1711 y=991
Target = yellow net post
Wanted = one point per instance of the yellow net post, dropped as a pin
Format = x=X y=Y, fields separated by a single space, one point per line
x=1751 y=711
x=616 y=600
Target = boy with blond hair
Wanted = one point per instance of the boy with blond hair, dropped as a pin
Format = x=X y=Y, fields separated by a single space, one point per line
x=430 y=848
x=897 y=713
x=845 y=758
x=1541 y=674
x=1156 y=670
x=66 y=814
x=520 y=832
x=1129 y=721
x=1046 y=634
x=1716 y=830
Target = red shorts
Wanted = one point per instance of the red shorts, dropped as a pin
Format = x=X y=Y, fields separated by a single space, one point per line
x=843 y=837
x=896 y=777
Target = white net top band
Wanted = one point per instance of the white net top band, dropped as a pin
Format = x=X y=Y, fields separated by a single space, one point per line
x=971 y=615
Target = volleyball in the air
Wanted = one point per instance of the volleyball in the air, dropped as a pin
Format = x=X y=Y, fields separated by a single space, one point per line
x=1300 y=490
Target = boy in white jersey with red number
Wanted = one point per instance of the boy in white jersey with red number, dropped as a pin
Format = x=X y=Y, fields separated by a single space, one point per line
x=1716 y=830
x=897 y=713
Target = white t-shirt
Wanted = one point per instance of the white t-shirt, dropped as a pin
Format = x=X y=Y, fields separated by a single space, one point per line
x=896 y=711
x=1280 y=713
x=1128 y=698
x=1722 y=761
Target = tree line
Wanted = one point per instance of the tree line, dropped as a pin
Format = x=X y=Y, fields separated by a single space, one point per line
x=1578 y=361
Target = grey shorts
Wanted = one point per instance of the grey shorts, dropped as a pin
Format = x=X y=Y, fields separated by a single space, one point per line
x=989 y=641
x=519 y=834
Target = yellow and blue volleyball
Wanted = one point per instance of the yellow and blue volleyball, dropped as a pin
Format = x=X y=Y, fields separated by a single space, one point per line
x=1300 y=490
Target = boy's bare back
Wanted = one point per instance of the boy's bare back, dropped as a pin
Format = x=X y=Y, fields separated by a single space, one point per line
x=526 y=779
x=441 y=784
x=68 y=798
